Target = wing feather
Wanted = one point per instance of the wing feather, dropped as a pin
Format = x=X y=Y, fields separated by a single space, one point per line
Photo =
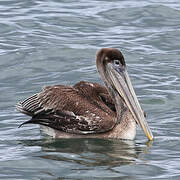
x=67 y=109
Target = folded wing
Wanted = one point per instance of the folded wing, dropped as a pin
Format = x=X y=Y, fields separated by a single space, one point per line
x=71 y=109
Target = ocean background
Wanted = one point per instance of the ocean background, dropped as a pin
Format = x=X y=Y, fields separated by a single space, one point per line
x=45 y=42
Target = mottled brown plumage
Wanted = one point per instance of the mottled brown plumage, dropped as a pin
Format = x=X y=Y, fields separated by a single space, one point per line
x=88 y=109
x=80 y=109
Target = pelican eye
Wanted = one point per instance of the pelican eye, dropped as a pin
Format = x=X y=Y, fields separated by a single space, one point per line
x=117 y=62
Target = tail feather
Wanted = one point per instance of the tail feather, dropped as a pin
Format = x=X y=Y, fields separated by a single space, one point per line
x=29 y=106
x=43 y=121
x=20 y=108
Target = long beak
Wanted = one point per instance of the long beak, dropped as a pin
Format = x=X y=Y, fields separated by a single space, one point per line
x=121 y=81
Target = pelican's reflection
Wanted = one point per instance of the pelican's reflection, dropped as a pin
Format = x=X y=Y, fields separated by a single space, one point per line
x=93 y=152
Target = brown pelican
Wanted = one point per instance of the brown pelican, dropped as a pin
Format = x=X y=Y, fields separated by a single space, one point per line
x=90 y=109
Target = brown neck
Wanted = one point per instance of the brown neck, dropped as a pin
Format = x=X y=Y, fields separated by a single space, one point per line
x=119 y=103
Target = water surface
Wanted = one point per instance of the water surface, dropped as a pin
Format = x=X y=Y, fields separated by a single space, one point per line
x=54 y=42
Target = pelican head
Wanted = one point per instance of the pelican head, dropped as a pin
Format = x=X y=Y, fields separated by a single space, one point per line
x=112 y=69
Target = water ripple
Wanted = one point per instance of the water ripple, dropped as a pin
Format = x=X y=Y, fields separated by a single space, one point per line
x=54 y=42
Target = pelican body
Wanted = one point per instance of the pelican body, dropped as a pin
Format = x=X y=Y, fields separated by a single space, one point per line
x=89 y=109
